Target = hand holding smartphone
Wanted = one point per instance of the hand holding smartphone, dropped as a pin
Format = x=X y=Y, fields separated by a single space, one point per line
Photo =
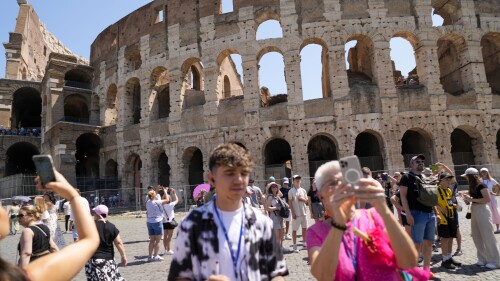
x=351 y=169
x=44 y=168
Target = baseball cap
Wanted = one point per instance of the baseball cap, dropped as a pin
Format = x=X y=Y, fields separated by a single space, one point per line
x=251 y=180
x=271 y=178
x=420 y=156
x=285 y=180
x=296 y=177
x=470 y=171
x=445 y=175
x=101 y=210
x=484 y=170
x=427 y=171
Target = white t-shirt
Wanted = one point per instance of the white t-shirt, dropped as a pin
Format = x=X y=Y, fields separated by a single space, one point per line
x=299 y=207
x=232 y=222
x=169 y=210
x=158 y=197
x=67 y=208
x=490 y=184
x=85 y=203
x=155 y=214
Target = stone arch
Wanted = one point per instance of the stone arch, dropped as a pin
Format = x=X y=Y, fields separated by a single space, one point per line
x=26 y=108
x=417 y=141
x=278 y=81
x=193 y=83
x=192 y=160
x=161 y=167
x=321 y=149
x=325 y=70
x=78 y=78
x=229 y=80
x=132 y=102
x=449 y=10
x=76 y=108
x=451 y=64
x=360 y=57
x=265 y=15
x=490 y=44
x=368 y=148
x=159 y=99
x=111 y=169
x=111 y=112
x=133 y=171
x=87 y=155
x=466 y=146
x=18 y=159
x=277 y=155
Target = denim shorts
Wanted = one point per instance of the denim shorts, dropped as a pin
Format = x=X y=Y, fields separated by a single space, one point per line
x=155 y=228
x=424 y=227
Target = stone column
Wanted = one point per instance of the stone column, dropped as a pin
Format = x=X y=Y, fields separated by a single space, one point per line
x=426 y=54
x=251 y=91
x=338 y=80
x=294 y=85
x=176 y=99
x=211 y=72
x=383 y=75
x=333 y=10
x=423 y=9
x=474 y=75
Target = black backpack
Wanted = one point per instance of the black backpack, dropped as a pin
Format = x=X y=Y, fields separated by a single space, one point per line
x=284 y=210
x=427 y=190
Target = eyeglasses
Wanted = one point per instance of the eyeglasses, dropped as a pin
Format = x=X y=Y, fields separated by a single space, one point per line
x=274 y=186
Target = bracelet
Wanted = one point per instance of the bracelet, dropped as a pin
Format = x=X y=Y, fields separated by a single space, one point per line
x=342 y=228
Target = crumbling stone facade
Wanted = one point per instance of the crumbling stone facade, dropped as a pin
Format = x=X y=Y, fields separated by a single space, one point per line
x=164 y=92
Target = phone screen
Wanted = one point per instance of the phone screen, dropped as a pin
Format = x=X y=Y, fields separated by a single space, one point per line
x=44 y=168
x=433 y=167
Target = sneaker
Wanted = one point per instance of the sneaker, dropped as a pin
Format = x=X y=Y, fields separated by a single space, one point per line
x=157 y=258
x=447 y=264
x=150 y=259
x=435 y=248
x=295 y=249
x=169 y=252
x=454 y=262
x=497 y=231
x=491 y=266
x=420 y=259
x=288 y=237
x=480 y=263
x=458 y=253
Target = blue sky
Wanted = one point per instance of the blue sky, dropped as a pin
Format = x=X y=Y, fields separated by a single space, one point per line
x=77 y=23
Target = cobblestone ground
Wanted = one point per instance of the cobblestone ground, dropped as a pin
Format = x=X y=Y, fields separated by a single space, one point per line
x=134 y=235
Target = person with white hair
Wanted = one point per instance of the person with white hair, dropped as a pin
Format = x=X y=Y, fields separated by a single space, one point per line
x=343 y=247
x=493 y=186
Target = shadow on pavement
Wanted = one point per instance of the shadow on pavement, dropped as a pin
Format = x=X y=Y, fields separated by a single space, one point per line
x=135 y=242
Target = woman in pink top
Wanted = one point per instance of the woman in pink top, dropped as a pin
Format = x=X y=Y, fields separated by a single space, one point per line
x=336 y=253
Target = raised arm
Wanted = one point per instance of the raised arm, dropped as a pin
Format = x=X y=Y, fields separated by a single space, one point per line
x=73 y=257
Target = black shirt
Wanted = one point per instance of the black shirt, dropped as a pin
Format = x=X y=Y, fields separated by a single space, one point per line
x=314 y=195
x=107 y=234
x=408 y=180
x=476 y=193
x=285 y=190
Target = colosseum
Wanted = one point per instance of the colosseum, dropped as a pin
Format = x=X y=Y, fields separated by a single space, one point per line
x=161 y=90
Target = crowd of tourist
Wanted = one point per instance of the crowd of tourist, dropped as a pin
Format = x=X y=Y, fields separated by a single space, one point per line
x=31 y=132
x=382 y=226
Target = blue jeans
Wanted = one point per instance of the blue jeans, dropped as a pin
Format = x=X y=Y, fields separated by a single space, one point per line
x=155 y=228
x=424 y=227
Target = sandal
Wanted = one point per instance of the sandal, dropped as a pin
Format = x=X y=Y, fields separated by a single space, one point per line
x=458 y=253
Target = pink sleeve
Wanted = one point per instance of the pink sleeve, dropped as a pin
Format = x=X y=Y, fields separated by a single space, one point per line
x=313 y=238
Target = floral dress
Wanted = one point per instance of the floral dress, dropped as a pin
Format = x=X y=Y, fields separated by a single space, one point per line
x=55 y=231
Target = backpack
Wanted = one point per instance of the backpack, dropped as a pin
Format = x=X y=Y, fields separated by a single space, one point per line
x=284 y=210
x=427 y=191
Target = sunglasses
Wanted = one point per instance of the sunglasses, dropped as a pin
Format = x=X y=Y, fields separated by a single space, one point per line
x=419 y=161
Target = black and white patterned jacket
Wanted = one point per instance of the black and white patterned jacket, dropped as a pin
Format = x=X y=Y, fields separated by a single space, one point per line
x=197 y=246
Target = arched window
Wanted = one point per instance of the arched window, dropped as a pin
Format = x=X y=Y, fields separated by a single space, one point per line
x=132 y=102
x=359 y=59
x=314 y=71
x=404 y=63
x=230 y=80
x=272 y=78
x=87 y=155
x=320 y=150
x=367 y=148
x=490 y=44
x=269 y=29
x=26 y=108
x=451 y=64
x=76 y=109
x=278 y=159
x=18 y=159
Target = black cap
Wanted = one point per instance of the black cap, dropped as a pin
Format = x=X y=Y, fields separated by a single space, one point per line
x=251 y=180
x=445 y=175
x=420 y=156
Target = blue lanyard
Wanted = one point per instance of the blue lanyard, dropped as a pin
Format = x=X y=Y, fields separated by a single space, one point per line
x=352 y=256
x=234 y=256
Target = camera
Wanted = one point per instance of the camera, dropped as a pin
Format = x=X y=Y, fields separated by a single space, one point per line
x=351 y=169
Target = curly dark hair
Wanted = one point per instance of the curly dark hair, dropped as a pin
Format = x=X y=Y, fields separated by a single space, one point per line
x=51 y=196
x=230 y=155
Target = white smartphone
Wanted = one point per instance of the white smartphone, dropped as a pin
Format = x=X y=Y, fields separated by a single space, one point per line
x=44 y=168
x=351 y=169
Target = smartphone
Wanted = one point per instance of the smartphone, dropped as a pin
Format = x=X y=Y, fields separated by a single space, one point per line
x=44 y=168
x=433 y=167
x=385 y=177
x=351 y=169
